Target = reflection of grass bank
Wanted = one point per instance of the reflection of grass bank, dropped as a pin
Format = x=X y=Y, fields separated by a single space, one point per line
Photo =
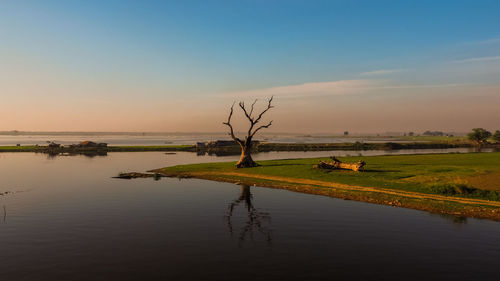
x=444 y=183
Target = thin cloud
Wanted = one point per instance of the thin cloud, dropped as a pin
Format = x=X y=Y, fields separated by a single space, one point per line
x=341 y=87
x=381 y=72
x=332 y=88
x=484 y=42
x=479 y=59
x=426 y=86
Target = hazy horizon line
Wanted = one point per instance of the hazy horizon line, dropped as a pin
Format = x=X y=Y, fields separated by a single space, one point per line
x=18 y=132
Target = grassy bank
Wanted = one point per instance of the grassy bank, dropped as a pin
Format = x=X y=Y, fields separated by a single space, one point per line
x=355 y=146
x=138 y=148
x=259 y=147
x=459 y=184
x=236 y=150
x=27 y=148
x=262 y=147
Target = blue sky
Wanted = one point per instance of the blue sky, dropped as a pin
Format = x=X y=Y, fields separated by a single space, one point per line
x=105 y=58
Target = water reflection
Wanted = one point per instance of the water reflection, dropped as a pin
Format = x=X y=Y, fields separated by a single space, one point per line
x=219 y=153
x=291 y=154
x=453 y=218
x=78 y=224
x=90 y=154
x=256 y=221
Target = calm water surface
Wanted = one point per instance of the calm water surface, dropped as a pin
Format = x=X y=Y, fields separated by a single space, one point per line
x=68 y=220
x=171 y=138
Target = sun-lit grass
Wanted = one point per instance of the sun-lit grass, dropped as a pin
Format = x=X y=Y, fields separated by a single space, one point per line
x=420 y=173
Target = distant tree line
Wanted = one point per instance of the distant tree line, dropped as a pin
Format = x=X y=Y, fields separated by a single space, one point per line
x=481 y=136
x=478 y=135
x=434 y=133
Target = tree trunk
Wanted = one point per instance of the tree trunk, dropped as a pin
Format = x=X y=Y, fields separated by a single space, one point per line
x=246 y=160
x=336 y=164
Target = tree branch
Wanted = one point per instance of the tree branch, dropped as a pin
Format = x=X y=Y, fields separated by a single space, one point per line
x=253 y=121
x=251 y=111
x=269 y=106
x=228 y=123
x=262 y=127
x=248 y=115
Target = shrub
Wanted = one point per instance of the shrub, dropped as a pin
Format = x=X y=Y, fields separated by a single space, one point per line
x=496 y=135
x=479 y=135
x=465 y=191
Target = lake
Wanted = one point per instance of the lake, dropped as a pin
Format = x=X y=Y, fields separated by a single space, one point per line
x=169 y=138
x=65 y=218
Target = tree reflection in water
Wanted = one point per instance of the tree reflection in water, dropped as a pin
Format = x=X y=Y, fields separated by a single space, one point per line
x=256 y=220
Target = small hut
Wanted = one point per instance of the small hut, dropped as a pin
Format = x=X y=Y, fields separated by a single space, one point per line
x=54 y=145
x=87 y=144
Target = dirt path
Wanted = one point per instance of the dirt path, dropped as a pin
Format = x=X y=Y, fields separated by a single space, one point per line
x=353 y=187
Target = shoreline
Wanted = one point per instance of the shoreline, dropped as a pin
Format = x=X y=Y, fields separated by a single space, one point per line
x=259 y=147
x=435 y=203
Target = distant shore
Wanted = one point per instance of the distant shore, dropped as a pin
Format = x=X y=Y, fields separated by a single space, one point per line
x=260 y=147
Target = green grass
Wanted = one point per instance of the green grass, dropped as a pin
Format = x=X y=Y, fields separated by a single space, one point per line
x=403 y=138
x=29 y=148
x=429 y=173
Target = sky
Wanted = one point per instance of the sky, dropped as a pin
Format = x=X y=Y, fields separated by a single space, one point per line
x=177 y=66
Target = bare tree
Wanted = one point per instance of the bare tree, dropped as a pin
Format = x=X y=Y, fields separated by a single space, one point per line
x=246 y=144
